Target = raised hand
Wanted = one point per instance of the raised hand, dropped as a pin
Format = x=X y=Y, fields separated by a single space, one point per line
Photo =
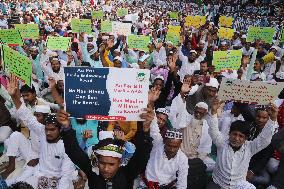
x=63 y=118
x=13 y=87
x=87 y=134
x=215 y=106
x=148 y=116
x=51 y=82
x=186 y=85
x=172 y=63
x=153 y=95
x=273 y=112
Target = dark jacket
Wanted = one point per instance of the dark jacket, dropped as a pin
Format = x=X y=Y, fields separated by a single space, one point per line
x=124 y=176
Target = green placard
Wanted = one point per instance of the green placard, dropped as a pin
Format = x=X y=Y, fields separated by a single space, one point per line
x=139 y=42
x=263 y=33
x=58 y=43
x=17 y=64
x=282 y=35
x=122 y=12
x=98 y=14
x=173 y=15
x=81 y=25
x=11 y=37
x=106 y=26
x=28 y=31
x=225 y=60
x=173 y=37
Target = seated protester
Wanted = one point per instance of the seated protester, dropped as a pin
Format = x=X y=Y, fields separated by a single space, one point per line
x=162 y=115
x=54 y=168
x=257 y=74
x=234 y=154
x=228 y=117
x=167 y=166
x=129 y=128
x=21 y=185
x=56 y=71
x=7 y=124
x=196 y=142
x=31 y=100
x=86 y=132
x=22 y=151
x=257 y=172
x=109 y=156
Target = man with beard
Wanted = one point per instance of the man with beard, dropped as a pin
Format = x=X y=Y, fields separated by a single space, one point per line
x=56 y=70
x=189 y=64
x=55 y=169
x=234 y=154
x=196 y=142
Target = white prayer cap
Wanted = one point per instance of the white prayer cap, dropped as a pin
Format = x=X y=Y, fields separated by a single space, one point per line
x=69 y=31
x=201 y=42
x=118 y=58
x=105 y=37
x=163 y=111
x=223 y=43
x=213 y=83
x=211 y=23
x=117 y=50
x=143 y=58
x=45 y=109
x=169 y=43
x=33 y=47
x=111 y=150
x=202 y=105
x=90 y=36
x=274 y=47
x=244 y=36
x=193 y=51
x=173 y=133
x=105 y=134
x=159 y=77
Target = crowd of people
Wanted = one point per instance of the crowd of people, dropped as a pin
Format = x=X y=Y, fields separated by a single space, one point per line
x=189 y=137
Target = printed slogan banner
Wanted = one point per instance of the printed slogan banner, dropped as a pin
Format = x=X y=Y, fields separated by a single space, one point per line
x=106 y=93
x=263 y=33
x=251 y=92
x=28 y=31
x=224 y=60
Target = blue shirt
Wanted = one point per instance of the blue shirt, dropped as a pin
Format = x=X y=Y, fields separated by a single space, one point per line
x=89 y=125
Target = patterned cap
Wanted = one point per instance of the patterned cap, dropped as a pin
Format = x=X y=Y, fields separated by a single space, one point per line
x=51 y=119
x=173 y=134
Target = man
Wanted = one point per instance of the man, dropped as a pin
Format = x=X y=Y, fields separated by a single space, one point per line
x=109 y=153
x=205 y=93
x=196 y=140
x=167 y=166
x=247 y=49
x=55 y=169
x=234 y=154
x=56 y=71
x=31 y=100
x=20 y=150
x=3 y=22
x=189 y=64
x=162 y=115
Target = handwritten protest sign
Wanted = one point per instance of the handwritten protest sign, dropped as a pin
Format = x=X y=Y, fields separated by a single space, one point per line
x=173 y=15
x=224 y=60
x=17 y=64
x=58 y=43
x=81 y=25
x=226 y=33
x=106 y=26
x=98 y=14
x=11 y=37
x=263 y=33
x=195 y=21
x=122 y=12
x=252 y=92
x=96 y=93
x=268 y=58
x=121 y=28
x=226 y=21
x=173 y=37
x=139 y=42
x=28 y=31
x=174 y=29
